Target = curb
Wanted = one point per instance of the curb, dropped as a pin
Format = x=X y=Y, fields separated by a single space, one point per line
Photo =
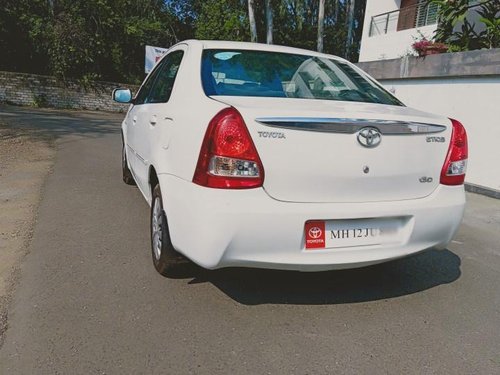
x=489 y=192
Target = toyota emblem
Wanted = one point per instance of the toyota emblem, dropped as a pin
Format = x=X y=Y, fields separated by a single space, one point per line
x=315 y=232
x=369 y=137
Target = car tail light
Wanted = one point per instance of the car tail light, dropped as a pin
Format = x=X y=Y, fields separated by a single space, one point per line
x=228 y=158
x=455 y=165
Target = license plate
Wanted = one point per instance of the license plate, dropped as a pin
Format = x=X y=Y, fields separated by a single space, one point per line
x=321 y=234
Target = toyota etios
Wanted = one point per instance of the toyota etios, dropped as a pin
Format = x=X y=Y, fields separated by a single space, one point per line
x=266 y=156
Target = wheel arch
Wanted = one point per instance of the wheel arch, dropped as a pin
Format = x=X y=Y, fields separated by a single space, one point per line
x=153 y=179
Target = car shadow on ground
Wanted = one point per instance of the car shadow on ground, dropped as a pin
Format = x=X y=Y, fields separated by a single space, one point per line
x=389 y=280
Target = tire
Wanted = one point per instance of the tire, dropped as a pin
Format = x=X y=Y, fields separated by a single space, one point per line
x=127 y=175
x=165 y=259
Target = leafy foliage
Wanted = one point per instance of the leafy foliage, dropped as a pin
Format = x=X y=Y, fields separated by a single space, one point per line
x=450 y=13
x=465 y=38
x=222 y=20
x=105 y=39
x=490 y=16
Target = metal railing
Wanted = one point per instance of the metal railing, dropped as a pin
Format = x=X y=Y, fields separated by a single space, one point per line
x=418 y=15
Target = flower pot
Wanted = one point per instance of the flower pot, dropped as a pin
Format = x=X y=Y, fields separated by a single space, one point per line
x=434 y=49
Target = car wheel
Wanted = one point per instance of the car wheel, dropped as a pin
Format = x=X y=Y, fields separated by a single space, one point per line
x=165 y=259
x=127 y=175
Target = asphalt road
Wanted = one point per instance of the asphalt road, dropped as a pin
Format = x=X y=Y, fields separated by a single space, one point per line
x=90 y=302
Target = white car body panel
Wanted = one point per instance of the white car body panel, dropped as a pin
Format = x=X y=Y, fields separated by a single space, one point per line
x=308 y=166
x=308 y=176
x=217 y=228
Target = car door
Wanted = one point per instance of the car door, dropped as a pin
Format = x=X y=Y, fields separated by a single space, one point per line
x=156 y=120
x=133 y=122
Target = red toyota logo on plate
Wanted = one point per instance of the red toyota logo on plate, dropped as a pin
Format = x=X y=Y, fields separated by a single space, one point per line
x=315 y=232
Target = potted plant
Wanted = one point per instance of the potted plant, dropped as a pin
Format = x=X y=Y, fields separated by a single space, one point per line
x=424 y=47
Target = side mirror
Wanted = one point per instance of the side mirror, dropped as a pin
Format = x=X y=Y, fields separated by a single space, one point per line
x=122 y=95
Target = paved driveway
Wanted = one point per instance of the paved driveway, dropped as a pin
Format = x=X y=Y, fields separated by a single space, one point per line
x=89 y=301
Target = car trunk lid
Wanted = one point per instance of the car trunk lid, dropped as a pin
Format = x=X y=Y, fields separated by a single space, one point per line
x=318 y=151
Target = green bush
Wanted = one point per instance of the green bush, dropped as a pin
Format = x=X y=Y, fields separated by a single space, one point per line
x=451 y=12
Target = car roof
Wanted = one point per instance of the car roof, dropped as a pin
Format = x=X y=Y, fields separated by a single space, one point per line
x=223 y=44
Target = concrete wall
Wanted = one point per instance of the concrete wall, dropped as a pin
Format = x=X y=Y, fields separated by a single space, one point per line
x=465 y=86
x=45 y=91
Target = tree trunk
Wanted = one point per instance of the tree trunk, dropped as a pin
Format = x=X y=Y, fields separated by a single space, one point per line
x=350 y=27
x=51 y=7
x=251 y=19
x=269 y=22
x=336 y=14
x=321 y=24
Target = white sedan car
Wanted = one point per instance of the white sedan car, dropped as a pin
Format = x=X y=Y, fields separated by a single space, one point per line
x=274 y=157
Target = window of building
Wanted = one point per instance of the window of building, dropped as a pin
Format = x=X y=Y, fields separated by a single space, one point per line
x=427 y=14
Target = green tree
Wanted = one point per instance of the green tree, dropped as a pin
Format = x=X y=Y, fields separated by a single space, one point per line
x=490 y=16
x=22 y=40
x=105 y=39
x=456 y=30
x=85 y=39
x=222 y=20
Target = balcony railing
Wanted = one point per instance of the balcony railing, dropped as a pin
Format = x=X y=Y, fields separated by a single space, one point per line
x=405 y=18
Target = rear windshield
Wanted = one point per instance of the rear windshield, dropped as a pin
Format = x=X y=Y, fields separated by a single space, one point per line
x=285 y=75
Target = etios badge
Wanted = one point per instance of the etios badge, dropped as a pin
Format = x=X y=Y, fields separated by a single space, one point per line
x=369 y=137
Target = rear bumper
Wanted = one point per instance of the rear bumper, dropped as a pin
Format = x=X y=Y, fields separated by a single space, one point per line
x=224 y=228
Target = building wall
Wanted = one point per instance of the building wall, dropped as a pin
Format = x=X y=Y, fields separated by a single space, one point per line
x=392 y=45
x=464 y=86
x=46 y=91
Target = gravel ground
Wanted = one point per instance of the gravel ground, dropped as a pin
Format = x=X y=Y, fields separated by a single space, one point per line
x=25 y=162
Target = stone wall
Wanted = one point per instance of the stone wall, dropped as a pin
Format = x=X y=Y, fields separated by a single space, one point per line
x=46 y=91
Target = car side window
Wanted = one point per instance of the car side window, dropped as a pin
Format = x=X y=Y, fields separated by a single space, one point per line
x=146 y=86
x=164 y=83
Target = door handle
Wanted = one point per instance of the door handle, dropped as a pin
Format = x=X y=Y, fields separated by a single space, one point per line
x=134 y=119
x=153 y=120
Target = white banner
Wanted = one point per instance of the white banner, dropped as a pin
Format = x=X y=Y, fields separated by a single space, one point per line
x=153 y=55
